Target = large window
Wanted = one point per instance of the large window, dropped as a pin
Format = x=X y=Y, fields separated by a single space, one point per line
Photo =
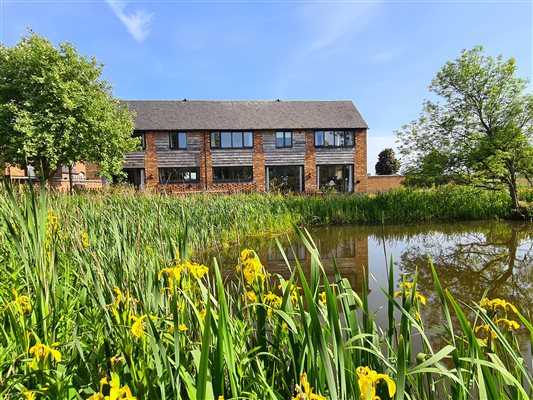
x=232 y=140
x=285 y=178
x=337 y=178
x=178 y=140
x=233 y=174
x=284 y=139
x=178 y=175
x=140 y=134
x=334 y=139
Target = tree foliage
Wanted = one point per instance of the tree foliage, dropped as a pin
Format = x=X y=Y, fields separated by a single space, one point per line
x=387 y=163
x=56 y=110
x=479 y=131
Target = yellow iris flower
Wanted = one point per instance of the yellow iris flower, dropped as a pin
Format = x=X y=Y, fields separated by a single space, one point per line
x=407 y=287
x=305 y=391
x=22 y=303
x=368 y=379
x=43 y=352
x=496 y=304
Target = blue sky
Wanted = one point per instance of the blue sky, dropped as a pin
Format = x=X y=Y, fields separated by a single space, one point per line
x=381 y=55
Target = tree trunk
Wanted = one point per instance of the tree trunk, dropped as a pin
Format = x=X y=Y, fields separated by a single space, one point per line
x=70 y=178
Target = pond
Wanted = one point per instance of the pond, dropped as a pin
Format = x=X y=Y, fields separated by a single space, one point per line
x=468 y=257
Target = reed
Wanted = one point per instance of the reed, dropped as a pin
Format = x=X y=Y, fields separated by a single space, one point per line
x=101 y=299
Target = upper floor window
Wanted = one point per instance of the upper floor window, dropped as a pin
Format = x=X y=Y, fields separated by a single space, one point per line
x=232 y=140
x=334 y=138
x=140 y=134
x=284 y=139
x=178 y=140
x=178 y=175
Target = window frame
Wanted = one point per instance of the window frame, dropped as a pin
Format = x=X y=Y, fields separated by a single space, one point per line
x=179 y=181
x=213 y=134
x=142 y=135
x=345 y=133
x=177 y=133
x=284 y=132
x=215 y=180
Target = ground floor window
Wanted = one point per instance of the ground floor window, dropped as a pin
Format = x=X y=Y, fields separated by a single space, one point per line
x=335 y=177
x=178 y=175
x=285 y=178
x=233 y=174
x=135 y=176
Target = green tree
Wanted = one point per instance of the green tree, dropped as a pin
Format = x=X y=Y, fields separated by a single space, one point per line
x=56 y=110
x=387 y=163
x=481 y=127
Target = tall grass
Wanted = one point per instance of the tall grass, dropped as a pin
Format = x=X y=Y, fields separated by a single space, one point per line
x=219 y=219
x=105 y=301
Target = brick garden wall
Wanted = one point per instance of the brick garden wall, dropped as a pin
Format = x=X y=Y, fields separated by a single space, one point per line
x=383 y=183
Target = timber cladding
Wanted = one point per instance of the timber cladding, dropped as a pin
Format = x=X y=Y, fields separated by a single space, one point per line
x=245 y=140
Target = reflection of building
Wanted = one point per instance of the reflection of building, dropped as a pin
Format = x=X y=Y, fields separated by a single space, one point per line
x=300 y=146
x=350 y=254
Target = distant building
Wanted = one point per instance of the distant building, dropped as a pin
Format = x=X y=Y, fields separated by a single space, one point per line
x=301 y=146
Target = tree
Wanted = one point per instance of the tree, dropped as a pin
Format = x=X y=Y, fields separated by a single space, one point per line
x=481 y=129
x=56 y=110
x=387 y=163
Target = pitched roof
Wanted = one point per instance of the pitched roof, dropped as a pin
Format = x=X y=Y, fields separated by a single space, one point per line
x=244 y=115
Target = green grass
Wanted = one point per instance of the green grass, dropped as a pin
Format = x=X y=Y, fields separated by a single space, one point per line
x=109 y=278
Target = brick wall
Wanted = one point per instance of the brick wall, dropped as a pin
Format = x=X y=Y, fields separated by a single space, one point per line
x=150 y=161
x=360 y=161
x=383 y=183
x=310 y=163
x=259 y=162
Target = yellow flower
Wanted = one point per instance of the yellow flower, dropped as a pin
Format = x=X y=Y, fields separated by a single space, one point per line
x=220 y=397
x=22 y=303
x=197 y=270
x=116 y=359
x=251 y=296
x=182 y=327
x=488 y=333
x=96 y=396
x=137 y=328
x=305 y=391
x=43 y=352
x=29 y=395
x=203 y=313
x=84 y=239
x=368 y=379
x=495 y=304
x=323 y=297
x=510 y=324
x=250 y=266
x=407 y=287
x=272 y=300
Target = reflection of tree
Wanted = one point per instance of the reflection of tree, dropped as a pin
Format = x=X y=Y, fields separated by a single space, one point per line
x=468 y=263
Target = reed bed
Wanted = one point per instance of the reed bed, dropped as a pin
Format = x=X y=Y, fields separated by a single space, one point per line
x=222 y=219
x=101 y=300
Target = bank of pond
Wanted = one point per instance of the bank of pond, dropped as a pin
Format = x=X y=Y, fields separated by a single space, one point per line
x=121 y=295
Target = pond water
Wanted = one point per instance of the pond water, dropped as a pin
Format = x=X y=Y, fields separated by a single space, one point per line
x=468 y=256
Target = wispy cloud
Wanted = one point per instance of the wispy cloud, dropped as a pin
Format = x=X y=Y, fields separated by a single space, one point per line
x=137 y=22
x=333 y=24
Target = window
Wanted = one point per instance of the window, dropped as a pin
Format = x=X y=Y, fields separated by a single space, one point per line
x=334 y=139
x=233 y=174
x=178 y=175
x=178 y=140
x=232 y=140
x=284 y=139
x=140 y=134
x=337 y=178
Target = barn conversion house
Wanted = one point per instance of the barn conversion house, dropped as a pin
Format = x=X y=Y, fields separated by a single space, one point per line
x=301 y=146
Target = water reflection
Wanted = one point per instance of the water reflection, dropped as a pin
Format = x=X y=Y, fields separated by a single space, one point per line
x=468 y=257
